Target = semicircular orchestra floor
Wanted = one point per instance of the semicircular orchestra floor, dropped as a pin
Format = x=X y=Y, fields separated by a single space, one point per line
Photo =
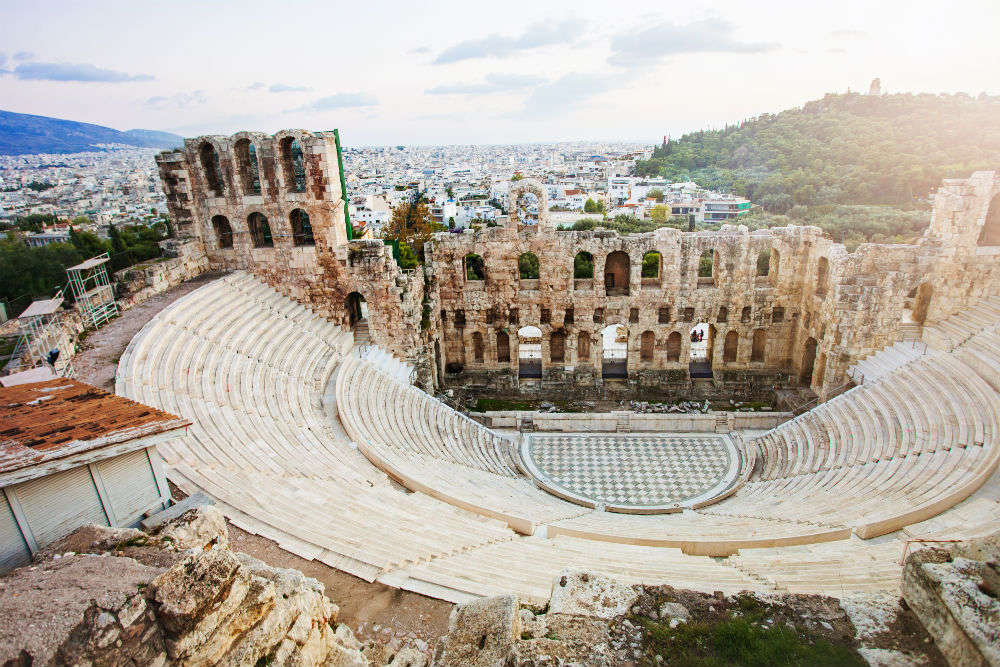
x=632 y=472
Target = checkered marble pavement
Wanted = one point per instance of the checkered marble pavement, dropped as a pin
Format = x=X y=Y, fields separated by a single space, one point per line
x=633 y=469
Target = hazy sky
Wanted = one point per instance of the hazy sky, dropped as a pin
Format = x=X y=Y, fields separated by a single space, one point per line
x=473 y=72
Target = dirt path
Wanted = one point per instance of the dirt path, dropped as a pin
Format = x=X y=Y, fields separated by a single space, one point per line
x=97 y=357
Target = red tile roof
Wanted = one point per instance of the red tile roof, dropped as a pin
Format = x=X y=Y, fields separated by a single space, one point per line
x=49 y=420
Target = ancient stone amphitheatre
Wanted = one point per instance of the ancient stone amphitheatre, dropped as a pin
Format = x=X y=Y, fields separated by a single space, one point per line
x=310 y=368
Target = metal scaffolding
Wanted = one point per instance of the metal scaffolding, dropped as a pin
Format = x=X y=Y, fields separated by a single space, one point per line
x=41 y=333
x=92 y=290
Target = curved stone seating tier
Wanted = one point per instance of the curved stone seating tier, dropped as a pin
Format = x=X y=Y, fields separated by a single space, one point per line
x=875 y=366
x=515 y=501
x=387 y=363
x=913 y=449
x=951 y=332
x=375 y=407
x=249 y=379
x=529 y=565
x=882 y=455
x=831 y=568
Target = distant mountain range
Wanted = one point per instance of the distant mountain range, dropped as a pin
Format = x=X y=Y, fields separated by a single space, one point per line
x=22 y=134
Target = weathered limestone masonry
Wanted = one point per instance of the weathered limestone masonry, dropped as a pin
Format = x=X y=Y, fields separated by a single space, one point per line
x=177 y=597
x=805 y=313
x=273 y=205
x=784 y=306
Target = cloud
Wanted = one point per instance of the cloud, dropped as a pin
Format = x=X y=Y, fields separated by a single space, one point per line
x=493 y=83
x=571 y=89
x=74 y=72
x=24 y=55
x=178 y=101
x=649 y=46
x=259 y=85
x=420 y=50
x=848 y=34
x=340 y=101
x=499 y=46
x=285 y=88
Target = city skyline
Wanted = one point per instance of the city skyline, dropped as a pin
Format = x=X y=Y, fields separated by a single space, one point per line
x=390 y=74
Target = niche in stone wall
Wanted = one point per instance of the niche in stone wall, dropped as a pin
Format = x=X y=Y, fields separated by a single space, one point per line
x=223 y=231
x=674 y=346
x=503 y=347
x=210 y=166
x=616 y=274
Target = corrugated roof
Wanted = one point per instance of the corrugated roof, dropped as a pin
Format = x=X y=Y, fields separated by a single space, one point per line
x=49 y=420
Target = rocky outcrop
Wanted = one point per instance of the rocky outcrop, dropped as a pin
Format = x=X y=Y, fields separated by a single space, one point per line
x=173 y=597
x=592 y=620
x=955 y=593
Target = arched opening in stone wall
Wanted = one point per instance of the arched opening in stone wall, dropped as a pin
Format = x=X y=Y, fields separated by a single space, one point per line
x=302 y=231
x=246 y=158
x=723 y=314
x=702 y=337
x=357 y=309
x=647 y=346
x=759 y=346
x=477 y=347
x=210 y=165
x=808 y=361
x=529 y=352
x=527 y=266
x=583 y=266
x=730 y=346
x=822 y=275
x=260 y=231
x=527 y=208
x=616 y=274
x=674 y=346
x=583 y=348
x=503 y=347
x=293 y=166
x=745 y=314
x=223 y=231
x=764 y=263
x=614 y=352
x=990 y=234
x=475 y=268
x=923 y=303
x=706 y=267
x=652 y=262
x=557 y=347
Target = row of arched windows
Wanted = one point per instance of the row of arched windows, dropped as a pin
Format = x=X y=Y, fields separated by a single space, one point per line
x=290 y=158
x=647 y=345
x=260 y=230
x=616 y=267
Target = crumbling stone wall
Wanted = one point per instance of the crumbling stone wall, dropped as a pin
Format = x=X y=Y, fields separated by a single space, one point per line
x=320 y=274
x=815 y=295
x=816 y=311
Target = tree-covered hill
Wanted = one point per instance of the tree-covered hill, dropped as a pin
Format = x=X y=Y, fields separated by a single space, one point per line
x=24 y=133
x=843 y=149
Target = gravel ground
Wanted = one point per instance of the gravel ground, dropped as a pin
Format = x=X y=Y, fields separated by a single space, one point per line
x=97 y=357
